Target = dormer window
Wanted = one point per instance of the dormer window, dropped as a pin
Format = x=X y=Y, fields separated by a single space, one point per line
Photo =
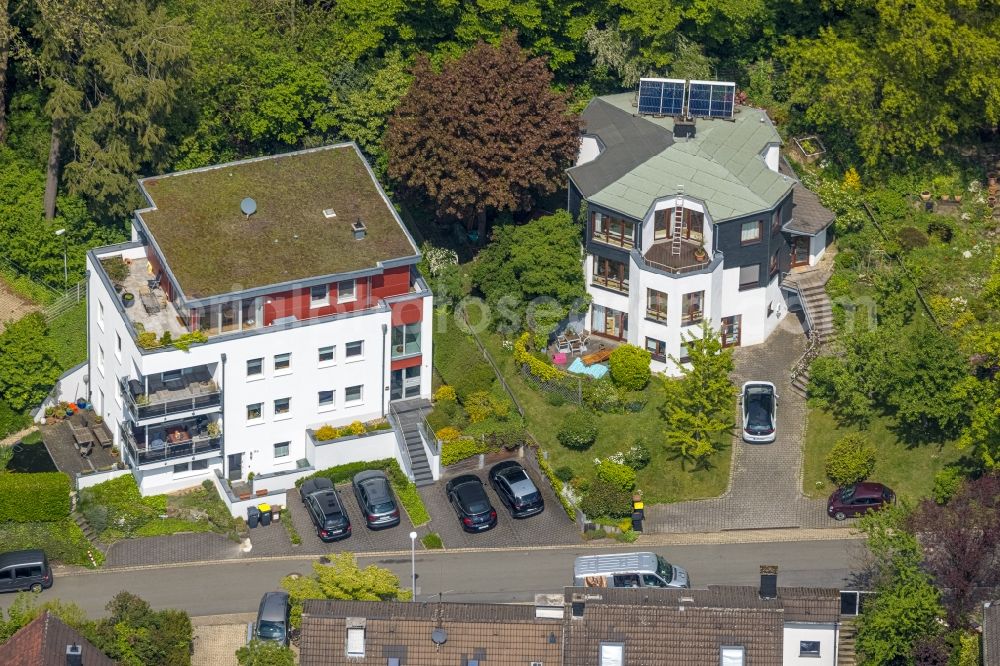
x=612 y=654
x=355 y=643
x=731 y=655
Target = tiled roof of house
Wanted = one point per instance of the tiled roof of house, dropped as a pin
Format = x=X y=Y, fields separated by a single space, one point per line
x=991 y=633
x=43 y=642
x=722 y=164
x=809 y=216
x=493 y=633
x=213 y=248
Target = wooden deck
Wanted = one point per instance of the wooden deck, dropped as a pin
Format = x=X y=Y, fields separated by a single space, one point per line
x=63 y=450
x=660 y=255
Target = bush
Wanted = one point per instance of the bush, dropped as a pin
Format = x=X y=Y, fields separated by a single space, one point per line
x=448 y=434
x=499 y=434
x=564 y=473
x=26 y=498
x=947 y=483
x=342 y=473
x=557 y=485
x=578 y=430
x=459 y=449
x=911 y=238
x=326 y=433
x=629 y=366
x=446 y=413
x=432 y=541
x=850 y=460
x=11 y=420
x=542 y=370
x=120 y=507
x=555 y=399
x=483 y=405
x=638 y=456
x=478 y=377
x=941 y=229
x=264 y=653
x=602 y=396
x=604 y=500
x=116 y=269
x=445 y=394
x=616 y=474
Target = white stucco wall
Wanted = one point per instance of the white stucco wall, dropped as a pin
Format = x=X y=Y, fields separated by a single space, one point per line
x=826 y=634
x=817 y=247
x=375 y=446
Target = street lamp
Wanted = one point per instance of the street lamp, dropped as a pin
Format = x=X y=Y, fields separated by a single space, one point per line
x=413 y=565
x=62 y=232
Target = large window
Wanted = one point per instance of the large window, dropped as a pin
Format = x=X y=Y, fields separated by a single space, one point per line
x=749 y=277
x=750 y=232
x=657 y=349
x=731 y=330
x=406 y=340
x=656 y=305
x=611 y=274
x=612 y=230
x=692 y=224
x=612 y=323
x=692 y=306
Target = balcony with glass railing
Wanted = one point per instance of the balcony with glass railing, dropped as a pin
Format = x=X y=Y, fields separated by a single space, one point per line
x=178 y=392
x=177 y=439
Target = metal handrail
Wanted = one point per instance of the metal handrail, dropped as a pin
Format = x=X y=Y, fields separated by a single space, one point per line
x=167 y=406
x=406 y=454
x=197 y=444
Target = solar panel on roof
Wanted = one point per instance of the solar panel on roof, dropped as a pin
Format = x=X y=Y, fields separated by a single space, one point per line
x=711 y=99
x=661 y=97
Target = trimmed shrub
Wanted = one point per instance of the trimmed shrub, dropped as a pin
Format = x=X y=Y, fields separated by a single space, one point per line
x=564 y=473
x=911 y=238
x=543 y=370
x=602 y=396
x=445 y=394
x=460 y=449
x=638 y=456
x=432 y=541
x=616 y=474
x=604 y=500
x=446 y=413
x=850 y=460
x=11 y=420
x=497 y=434
x=26 y=498
x=629 y=366
x=941 y=229
x=578 y=430
x=448 y=434
x=947 y=482
x=555 y=399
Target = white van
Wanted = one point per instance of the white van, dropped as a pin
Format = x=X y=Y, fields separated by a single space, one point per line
x=628 y=570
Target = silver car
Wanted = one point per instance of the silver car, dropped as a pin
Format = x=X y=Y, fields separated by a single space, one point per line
x=760 y=412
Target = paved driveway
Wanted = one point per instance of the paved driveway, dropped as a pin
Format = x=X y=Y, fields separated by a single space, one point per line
x=765 y=488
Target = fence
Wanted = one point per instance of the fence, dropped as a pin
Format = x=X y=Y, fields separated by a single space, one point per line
x=496 y=370
x=568 y=388
x=27 y=284
x=65 y=301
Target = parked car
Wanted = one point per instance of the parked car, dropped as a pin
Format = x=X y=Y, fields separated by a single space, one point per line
x=325 y=509
x=467 y=494
x=760 y=412
x=516 y=490
x=273 y=618
x=859 y=499
x=22 y=570
x=375 y=499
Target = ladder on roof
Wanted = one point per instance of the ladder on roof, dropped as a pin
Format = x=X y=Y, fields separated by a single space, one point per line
x=678 y=225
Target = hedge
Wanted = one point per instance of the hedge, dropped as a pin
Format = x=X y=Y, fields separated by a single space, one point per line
x=537 y=367
x=26 y=498
x=460 y=449
x=557 y=485
x=405 y=489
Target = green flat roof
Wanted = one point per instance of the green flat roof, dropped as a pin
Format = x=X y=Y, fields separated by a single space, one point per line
x=721 y=165
x=212 y=248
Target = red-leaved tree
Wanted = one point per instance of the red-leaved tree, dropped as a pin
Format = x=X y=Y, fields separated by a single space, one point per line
x=485 y=134
x=961 y=545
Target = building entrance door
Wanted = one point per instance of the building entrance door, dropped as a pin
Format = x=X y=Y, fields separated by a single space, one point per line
x=235 y=466
x=800 y=251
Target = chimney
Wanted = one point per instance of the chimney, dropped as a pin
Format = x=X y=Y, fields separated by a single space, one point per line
x=578 y=604
x=359 y=229
x=768 y=581
x=549 y=605
x=74 y=655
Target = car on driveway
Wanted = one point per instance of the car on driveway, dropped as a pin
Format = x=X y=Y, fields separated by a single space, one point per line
x=468 y=496
x=516 y=490
x=325 y=509
x=858 y=499
x=375 y=499
x=760 y=412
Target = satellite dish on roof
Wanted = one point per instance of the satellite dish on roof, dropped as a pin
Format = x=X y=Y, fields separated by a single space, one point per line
x=439 y=636
x=248 y=206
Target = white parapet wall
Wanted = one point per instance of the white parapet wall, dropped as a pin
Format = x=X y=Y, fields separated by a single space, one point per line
x=70 y=386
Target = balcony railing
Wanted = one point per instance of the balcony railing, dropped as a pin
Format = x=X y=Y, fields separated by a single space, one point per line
x=614 y=284
x=194 y=396
x=160 y=450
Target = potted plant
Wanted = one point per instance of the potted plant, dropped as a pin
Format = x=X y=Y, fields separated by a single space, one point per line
x=98 y=419
x=958 y=197
x=142 y=399
x=213 y=429
x=925 y=195
x=128 y=299
x=700 y=254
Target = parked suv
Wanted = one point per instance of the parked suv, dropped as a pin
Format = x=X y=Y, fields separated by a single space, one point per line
x=375 y=499
x=858 y=499
x=516 y=490
x=325 y=509
x=272 y=618
x=467 y=494
x=24 y=570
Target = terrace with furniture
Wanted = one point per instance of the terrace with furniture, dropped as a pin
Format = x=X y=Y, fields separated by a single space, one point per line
x=175 y=392
x=581 y=353
x=176 y=439
x=78 y=444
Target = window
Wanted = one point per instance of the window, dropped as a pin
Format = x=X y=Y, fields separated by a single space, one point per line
x=198 y=465
x=749 y=277
x=325 y=398
x=656 y=305
x=406 y=340
x=255 y=367
x=327 y=354
x=282 y=406
x=319 y=295
x=611 y=274
x=808 y=648
x=612 y=230
x=255 y=411
x=118 y=346
x=352 y=393
x=731 y=330
x=772 y=270
x=355 y=642
x=100 y=314
x=32 y=571
x=281 y=449
x=692 y=306
x=612 y=654
x=345 y=291
x=180 y=468
x=750 y=232
x=776 y=221
x=731 y=655
x=657 y=348
x=684 y=356
x=282 y=362
x=100 y=358
x=692 y=224
x=355 y=349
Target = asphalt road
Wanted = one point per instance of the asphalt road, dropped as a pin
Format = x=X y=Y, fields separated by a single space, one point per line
x=496 y=576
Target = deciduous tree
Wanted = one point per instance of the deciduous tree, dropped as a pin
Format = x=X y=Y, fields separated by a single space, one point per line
x=28 y=366
x=484 y=134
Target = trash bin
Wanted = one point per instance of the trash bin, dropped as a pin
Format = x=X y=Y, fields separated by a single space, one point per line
x=265 y=514
x=253 y=516
x=637 y=521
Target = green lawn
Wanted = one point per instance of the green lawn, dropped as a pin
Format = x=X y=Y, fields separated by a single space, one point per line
x=909 y=470
x=68 y=334
x=663 y=480
x=62 y=540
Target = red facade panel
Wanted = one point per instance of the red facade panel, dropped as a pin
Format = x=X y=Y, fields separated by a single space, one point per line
x=367 y=292
x=407 y=312
x=406 y=363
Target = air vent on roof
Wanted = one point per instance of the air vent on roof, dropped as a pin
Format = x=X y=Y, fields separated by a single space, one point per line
x=439 y=636
x=329 y=212
x=248 y=206
x=74 y=655
x=359 y=229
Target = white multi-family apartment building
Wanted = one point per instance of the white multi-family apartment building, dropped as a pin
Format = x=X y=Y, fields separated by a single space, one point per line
x=689 y=219
x=301 y=276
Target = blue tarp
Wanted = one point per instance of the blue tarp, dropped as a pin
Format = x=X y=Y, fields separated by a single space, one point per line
x=596 y=371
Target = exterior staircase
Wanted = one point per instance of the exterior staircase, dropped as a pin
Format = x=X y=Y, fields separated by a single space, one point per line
x=811 y=287
x=88 y=531
x=409 y=416
x=846 y=655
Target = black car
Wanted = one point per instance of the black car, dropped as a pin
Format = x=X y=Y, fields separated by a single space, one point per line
x=325 y=509
x=516 y=489
x=376 y=500
x=467 y=494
